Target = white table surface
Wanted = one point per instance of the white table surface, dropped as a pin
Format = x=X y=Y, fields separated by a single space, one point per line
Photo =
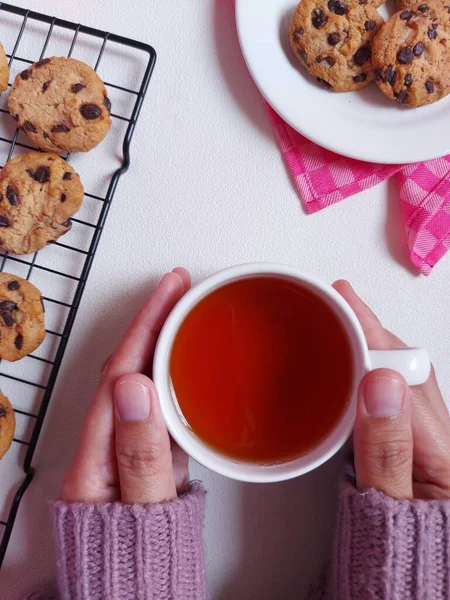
x=208 y=189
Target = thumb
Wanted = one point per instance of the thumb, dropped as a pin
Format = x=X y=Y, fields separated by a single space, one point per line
x=143 y=452
x=383 y=434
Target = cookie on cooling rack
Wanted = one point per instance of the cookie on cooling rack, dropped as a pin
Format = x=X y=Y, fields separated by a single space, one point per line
x=22 y=327
x=39 y=192
x=333 y=41
x=61 y=104
x=7 y=424
x=4 y=70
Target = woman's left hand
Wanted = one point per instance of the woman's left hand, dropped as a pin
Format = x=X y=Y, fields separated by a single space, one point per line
x=125 y=453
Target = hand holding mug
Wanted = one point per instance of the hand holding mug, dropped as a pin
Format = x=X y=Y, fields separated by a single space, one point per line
x=125 y=453
x=401 y=434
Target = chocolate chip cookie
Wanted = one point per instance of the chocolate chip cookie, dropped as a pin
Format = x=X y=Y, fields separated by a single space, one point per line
x=7 y=424
x=39 y=192
x=332 y=40
x=411 y=54
x=61 y=104
x=4 y=70
x=22 y=327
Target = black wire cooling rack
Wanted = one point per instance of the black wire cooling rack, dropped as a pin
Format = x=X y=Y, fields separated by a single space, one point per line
x=48 y=274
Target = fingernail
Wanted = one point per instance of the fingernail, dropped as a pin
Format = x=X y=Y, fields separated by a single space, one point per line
x=383 y=397
x=133 y=401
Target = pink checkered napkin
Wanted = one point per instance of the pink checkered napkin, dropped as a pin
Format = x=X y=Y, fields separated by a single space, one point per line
x=323 y=178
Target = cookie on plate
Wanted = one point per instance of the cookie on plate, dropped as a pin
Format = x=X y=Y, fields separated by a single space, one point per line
x=332 y=39
x=61 y=104
x=22 y=327
x=411 y=55
x=7 y=424
x=39 y=192
x=4 y=70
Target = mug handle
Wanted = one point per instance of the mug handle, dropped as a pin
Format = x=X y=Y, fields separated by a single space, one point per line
x=413 y=363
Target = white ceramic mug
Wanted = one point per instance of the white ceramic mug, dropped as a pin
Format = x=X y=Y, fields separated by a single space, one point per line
x=412 y=363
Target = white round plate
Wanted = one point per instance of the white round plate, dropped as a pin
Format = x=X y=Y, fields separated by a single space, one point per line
x=364 y=125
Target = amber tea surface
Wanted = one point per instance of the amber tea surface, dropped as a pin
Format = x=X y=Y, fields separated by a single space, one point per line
x=262 y=369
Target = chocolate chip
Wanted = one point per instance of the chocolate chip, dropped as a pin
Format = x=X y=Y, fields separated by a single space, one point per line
x=18 y=342
x=90 y=111
x=401 y=97
x=60 y=128
x=13 y=285
x=299 y=31
x=408 y=81
x=7 y=306
x=318 y=59
x=41 y=63
x=107 y=103
x=369 y=25
x=77 y=87
x=12 y=196
x=363 y=1
x=392 y=78
x=67 y=223
x=28 y=126
x=333 y=38
x=429 y=86
x=2 y=412
x=377 y=74
x=329 y=60
x=67 y=176
x=389 y=75
x=406 y=15
x=8 y=319
x=405 y=56
x=45 y=134
x=418 y=49
x=63 y=197
x=362 y=55
x=337 y=7
x=318 y=18
x=46 y=85
x=360 y=78
x=324 y=83
x=4 y=222
x=42 y=175
x=303 y=55
x=423 y=8
x=432 y=33
x=26 y=74
x=1 y=197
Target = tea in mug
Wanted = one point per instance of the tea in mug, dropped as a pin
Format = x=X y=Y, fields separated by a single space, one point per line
x=262 y=369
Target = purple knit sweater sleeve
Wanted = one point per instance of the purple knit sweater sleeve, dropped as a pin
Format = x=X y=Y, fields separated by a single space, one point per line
x=389 y=549
x=131 y=552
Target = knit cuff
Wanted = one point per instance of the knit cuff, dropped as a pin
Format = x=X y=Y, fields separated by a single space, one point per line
x=388 y=549
x=42 y=595
x=129 y=551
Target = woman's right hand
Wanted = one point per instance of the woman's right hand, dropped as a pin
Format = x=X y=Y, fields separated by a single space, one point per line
x=402 y=434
